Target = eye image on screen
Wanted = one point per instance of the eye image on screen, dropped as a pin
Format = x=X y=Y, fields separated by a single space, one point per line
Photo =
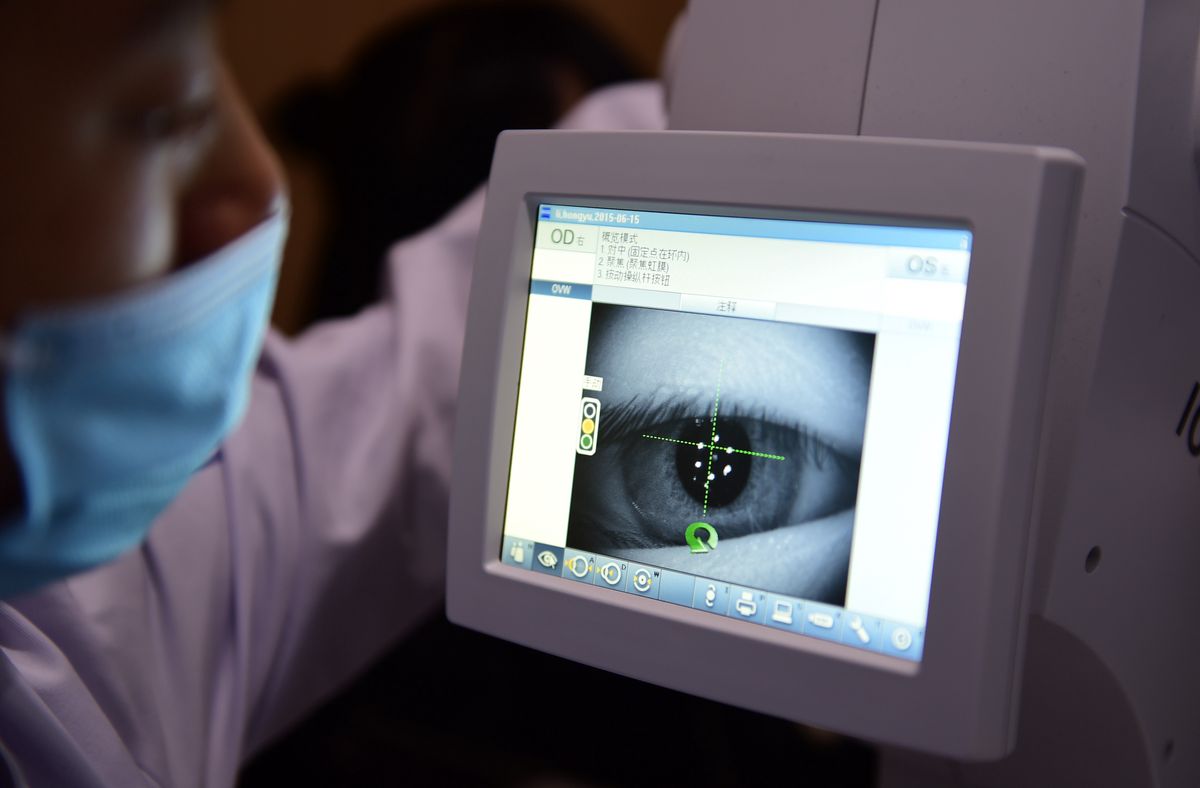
x=722 y=447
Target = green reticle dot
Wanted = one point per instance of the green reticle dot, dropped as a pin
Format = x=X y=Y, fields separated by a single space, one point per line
x=713 y=449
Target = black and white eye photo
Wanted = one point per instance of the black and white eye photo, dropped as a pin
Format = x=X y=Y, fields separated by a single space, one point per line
x=753 y=428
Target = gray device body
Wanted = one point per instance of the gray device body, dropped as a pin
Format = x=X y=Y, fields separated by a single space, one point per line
x=1111 y=691
x=1018 y=201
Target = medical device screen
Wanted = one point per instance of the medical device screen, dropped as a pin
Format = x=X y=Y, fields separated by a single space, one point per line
x=745 y=416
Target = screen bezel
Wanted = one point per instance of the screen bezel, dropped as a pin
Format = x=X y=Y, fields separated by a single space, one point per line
x=1017 y=201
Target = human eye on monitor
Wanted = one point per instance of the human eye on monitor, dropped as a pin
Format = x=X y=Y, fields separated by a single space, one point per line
x=749 y=474
x=753 y=427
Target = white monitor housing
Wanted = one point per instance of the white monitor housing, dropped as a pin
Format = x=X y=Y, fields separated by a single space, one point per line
x=764 y=428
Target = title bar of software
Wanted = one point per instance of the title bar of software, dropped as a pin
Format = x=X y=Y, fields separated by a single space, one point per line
x=787 y=229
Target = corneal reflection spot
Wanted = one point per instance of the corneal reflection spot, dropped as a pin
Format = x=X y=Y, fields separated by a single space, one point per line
x=724 y=481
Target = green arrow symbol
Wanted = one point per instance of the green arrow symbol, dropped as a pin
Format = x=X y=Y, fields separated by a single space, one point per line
x=698 y=545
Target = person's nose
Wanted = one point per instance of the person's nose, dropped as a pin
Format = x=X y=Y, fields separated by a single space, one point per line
x=238 y=184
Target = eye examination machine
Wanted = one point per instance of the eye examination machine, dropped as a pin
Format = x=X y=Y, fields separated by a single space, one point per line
x=868 y=395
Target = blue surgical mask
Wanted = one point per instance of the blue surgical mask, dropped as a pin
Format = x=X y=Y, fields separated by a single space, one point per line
x=111 y=407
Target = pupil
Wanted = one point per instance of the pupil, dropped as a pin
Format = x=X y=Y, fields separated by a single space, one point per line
x=729 y=471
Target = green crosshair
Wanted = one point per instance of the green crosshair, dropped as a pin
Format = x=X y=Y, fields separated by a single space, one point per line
x=713 y=449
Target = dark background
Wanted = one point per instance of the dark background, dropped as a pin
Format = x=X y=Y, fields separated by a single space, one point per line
x=277 y=48
x=453 y=707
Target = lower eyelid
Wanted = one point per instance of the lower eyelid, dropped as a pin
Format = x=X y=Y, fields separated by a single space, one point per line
x=591 y=531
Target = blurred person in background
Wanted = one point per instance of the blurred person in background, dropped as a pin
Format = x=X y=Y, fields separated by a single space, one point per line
x=408 y=131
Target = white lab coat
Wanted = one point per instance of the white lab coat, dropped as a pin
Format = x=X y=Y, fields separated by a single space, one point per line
x=313 y=540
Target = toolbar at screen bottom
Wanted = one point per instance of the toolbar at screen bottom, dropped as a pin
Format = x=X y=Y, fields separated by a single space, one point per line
x=826 y=622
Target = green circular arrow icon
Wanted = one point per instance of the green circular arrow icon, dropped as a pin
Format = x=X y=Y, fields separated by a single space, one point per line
x=698 y=545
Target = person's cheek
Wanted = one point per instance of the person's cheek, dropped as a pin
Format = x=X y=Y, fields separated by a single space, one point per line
x=125 y=221
x=97 y=220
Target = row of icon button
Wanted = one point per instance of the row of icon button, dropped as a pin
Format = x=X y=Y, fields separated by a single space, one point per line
x=809 y=618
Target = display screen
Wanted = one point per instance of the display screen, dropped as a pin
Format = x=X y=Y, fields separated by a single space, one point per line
x=746 y=416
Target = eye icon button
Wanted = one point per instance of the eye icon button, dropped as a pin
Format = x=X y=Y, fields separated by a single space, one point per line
x=611 y=573
x=578 y=566
x=548 y=559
